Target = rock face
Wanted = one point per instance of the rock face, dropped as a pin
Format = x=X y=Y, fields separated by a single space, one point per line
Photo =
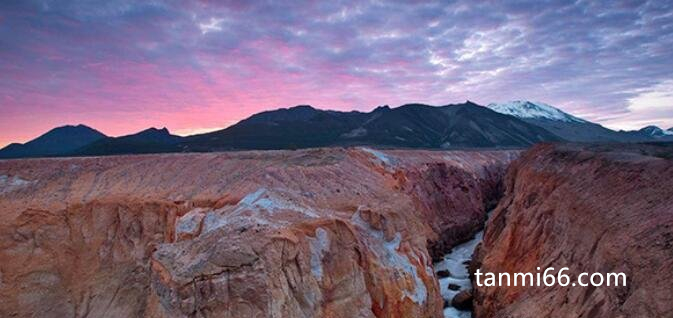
x=312 y=233
x=592 y=209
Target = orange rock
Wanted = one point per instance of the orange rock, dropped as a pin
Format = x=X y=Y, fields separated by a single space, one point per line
x=311 y=233
x=590 y=208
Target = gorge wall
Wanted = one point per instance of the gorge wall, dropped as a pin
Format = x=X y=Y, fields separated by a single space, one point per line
x=592 y=209
x=322 y=232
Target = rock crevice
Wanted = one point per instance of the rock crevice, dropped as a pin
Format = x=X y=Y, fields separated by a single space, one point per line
x=594 y=209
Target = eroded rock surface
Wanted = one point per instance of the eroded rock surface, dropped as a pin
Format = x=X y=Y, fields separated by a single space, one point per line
x=311 y=233
x=592 y=209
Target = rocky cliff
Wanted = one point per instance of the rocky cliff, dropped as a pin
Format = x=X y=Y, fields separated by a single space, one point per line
x=311 y=233
x=590 y=208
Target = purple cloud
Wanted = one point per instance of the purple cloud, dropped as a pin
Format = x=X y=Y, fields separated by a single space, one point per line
x=124 y=65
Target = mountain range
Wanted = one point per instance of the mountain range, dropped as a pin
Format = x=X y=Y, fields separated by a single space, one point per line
x=465 y=125
x=516 y=124
x=151 y=140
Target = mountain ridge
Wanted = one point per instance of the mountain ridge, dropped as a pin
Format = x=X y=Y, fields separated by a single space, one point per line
x=408 y=126
x=656 y=132
x=573 y=128
x=516 y=124
x=534 y=110
x=151 y=140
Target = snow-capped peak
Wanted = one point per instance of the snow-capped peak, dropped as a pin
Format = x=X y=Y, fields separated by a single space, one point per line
x=537 y=110
x=655 y=131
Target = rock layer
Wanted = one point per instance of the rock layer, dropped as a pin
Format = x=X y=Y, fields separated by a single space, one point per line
x=592 y=209
x=322 y=232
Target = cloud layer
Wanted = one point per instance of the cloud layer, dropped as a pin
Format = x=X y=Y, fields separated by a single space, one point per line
x=122 y=66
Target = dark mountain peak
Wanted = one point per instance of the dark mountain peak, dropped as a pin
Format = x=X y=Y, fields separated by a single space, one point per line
x=154 y=131
x=670 y=129
x=150 y=140
x=72 y=129
x=302 y=107
x=152 y=134
x=468 y=108
x=656 y=132
x=79 y=126
x=413 y=108
x=381 y=109
x=651 y=129
x=299 y=109
x=299 y=112
x=56 y=142
x=471 y=103
x=415 y=105
x=468 y=103
x=67 y=132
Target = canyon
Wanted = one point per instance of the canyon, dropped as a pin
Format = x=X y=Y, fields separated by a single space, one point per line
x=593 y=209
x=334 y=232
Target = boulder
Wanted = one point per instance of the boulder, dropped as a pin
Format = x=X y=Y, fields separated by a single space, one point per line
x=443 y=273
x=462 y=300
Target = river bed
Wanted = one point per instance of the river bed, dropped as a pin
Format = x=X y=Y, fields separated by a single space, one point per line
x=455 y=262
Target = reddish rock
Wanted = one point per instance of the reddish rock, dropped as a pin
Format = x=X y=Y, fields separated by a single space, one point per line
x=243 y=234
x=592 y=209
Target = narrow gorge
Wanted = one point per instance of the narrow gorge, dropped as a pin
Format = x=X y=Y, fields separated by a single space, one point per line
x=325 y=232
x=330 y=232
x=593 y=209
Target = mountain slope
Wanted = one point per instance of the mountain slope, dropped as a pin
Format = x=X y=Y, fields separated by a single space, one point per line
x=56 y=142
x=465 y=125
x=151 y=140
x=296 y=127
x=563 y=124
x=656 y=133
x=534 y=110
x=413 y=125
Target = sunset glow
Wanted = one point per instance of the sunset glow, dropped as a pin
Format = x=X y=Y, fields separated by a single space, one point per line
x=123 y=66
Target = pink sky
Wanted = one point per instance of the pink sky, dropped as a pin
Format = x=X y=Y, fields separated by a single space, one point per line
x=121 y=67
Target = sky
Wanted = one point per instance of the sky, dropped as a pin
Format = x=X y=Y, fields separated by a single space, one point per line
x=123 y=66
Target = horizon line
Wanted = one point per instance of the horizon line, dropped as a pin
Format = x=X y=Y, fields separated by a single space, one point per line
x=187 y=132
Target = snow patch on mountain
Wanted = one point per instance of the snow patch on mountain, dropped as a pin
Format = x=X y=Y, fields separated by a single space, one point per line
x=537 y=110
x=655 y=131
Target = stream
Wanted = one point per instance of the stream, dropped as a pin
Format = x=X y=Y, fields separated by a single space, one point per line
x=459 y=278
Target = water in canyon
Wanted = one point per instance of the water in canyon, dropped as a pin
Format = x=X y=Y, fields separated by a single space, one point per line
x=458 y=279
